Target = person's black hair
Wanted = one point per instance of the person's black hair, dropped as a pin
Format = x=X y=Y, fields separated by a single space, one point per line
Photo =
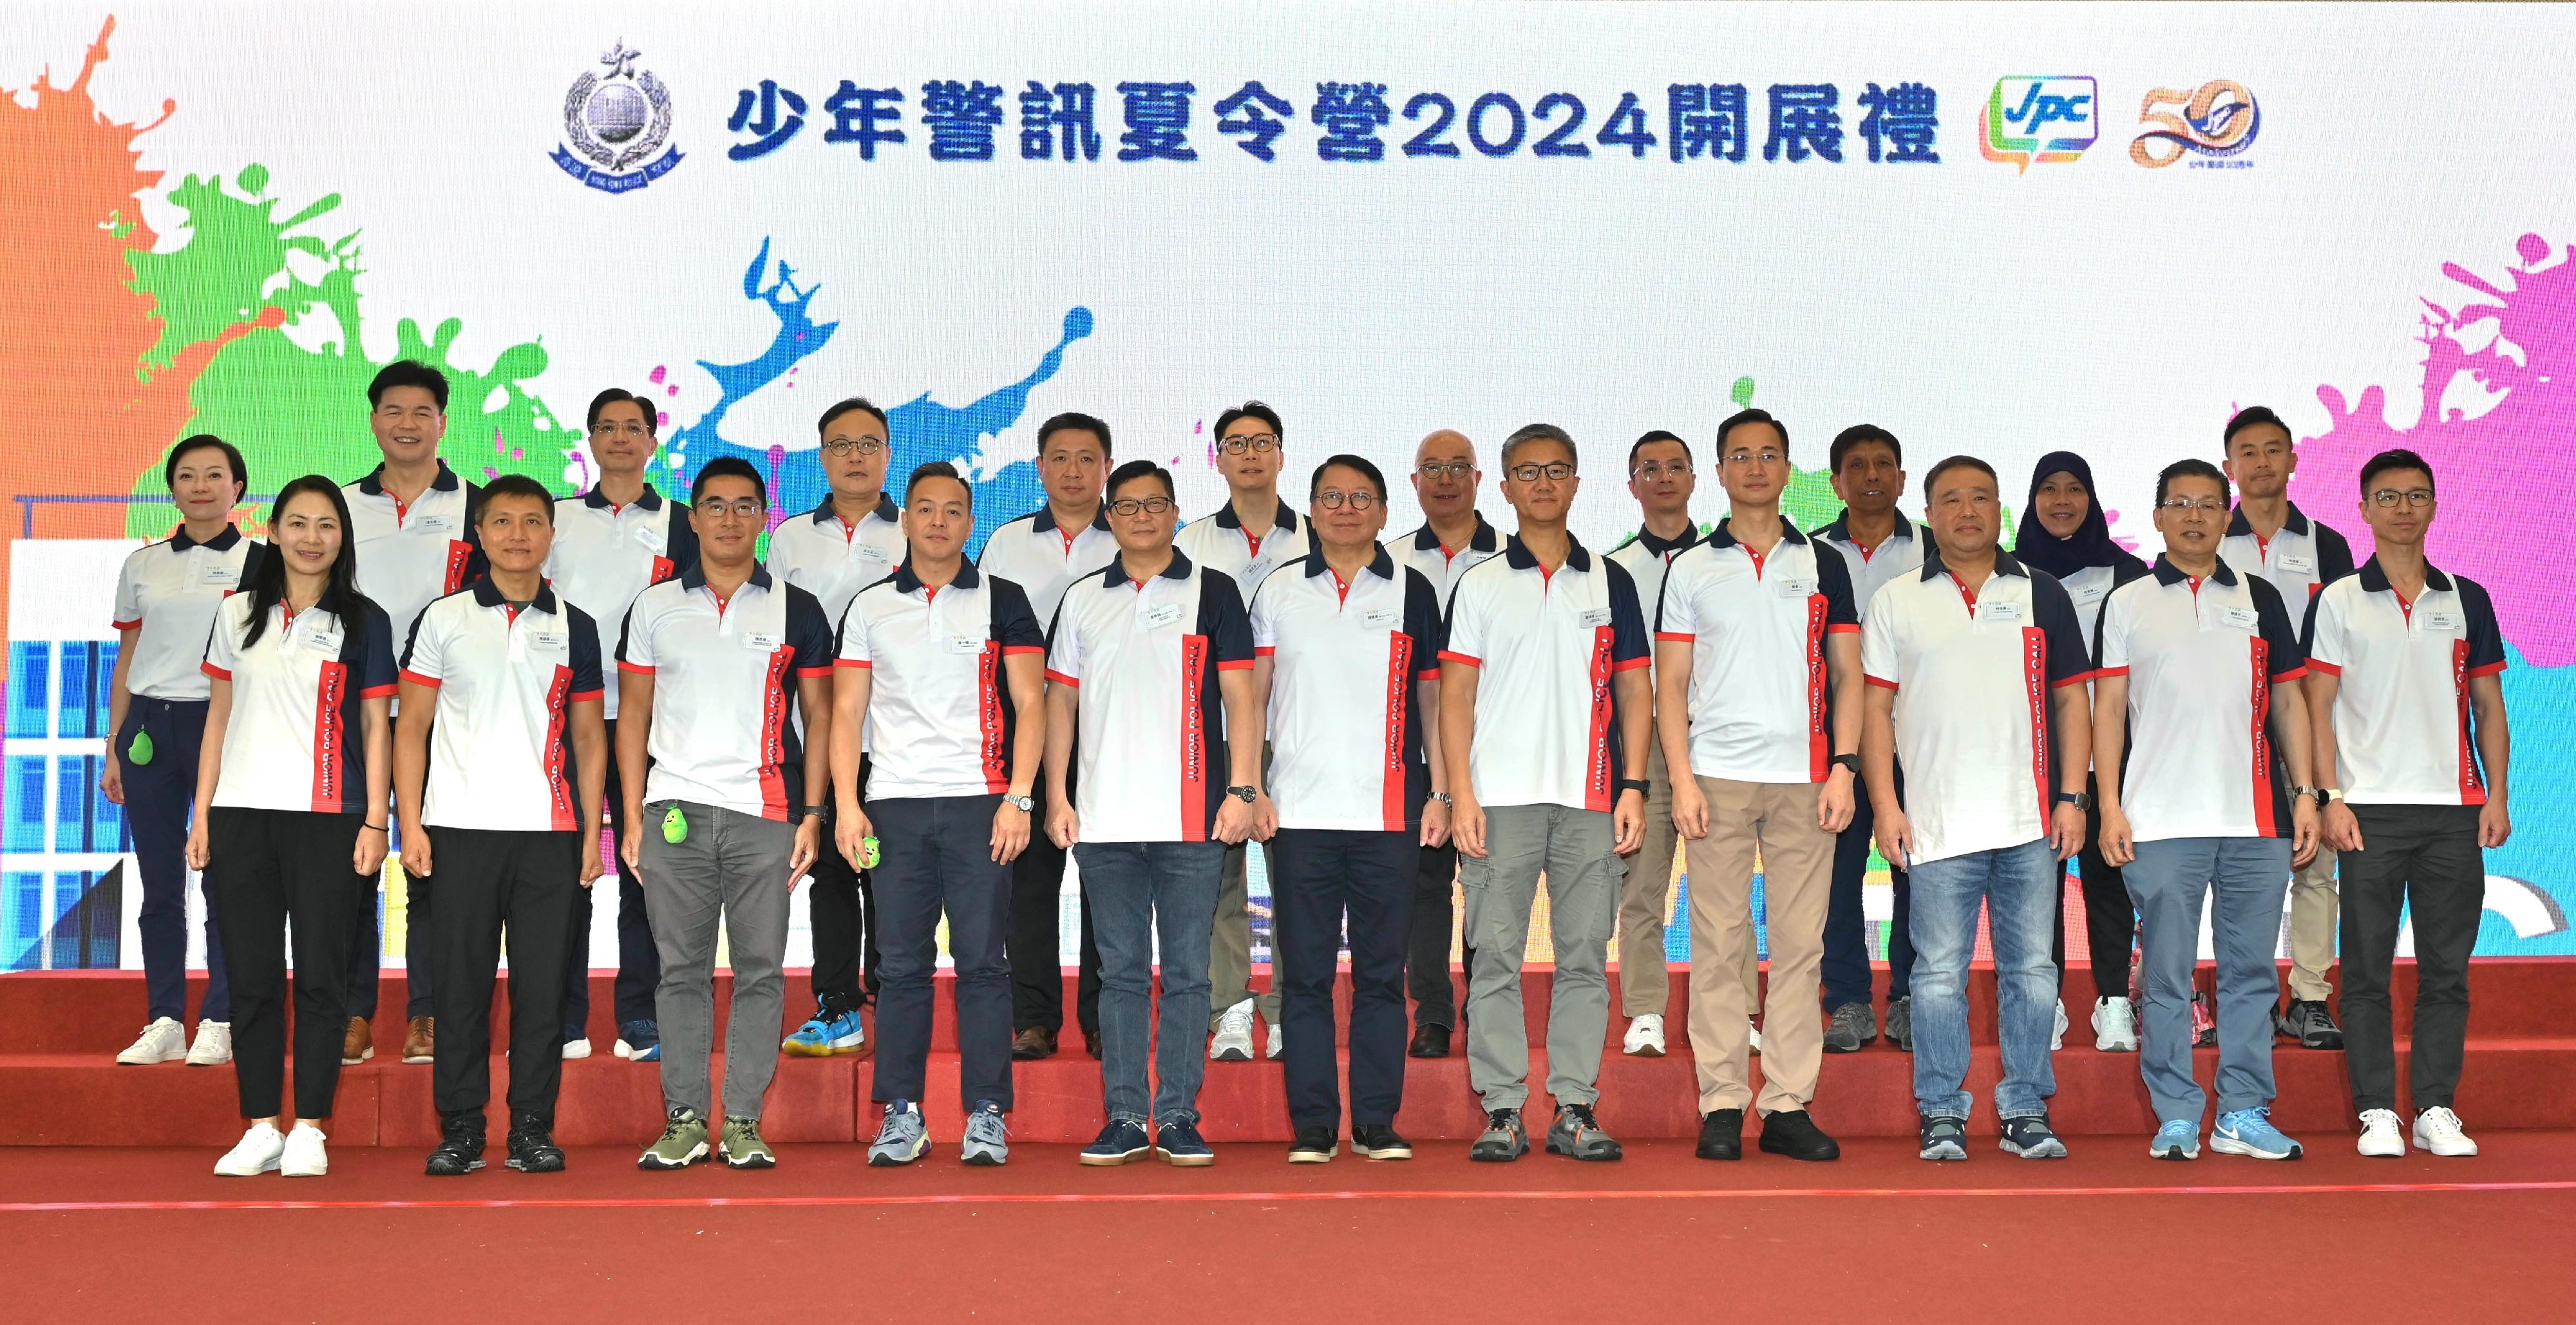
x=340 y=596
x=1744 y=416
x=1359 y=464
x=1658 y=435
x=1250 y=409
x=1953 y=463
x=1861 y=434
x=2400 y=458
x=2189 y=467
x=615 y=394
x=724 y=466
x=516 y=485
x=1075 y=419
x=938 y=469
x=408 y=372
x=2249 y=417
x=862 y=404
x=1136 y=469
x=206 y=441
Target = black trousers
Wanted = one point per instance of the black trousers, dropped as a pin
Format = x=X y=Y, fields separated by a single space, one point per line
x=528 y=883
x=2423 y=860
x=1426 y=947
x=1847 y=977
x=639 y=963
x=1037 y=972
x=844 y=919
x=1327 y=879
x=2110 y=917
x=937 y=855
x=264 y=869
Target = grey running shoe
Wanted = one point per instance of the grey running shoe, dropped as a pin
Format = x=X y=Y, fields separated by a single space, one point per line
x=988 y=1142
x=1854 y=1025
x=902 y=1138
x=2309 y=1024
x=1900 y=1023
x=1577 y=1134
x=1505 y=1138
x=742 y=1146
x=683 y=1143
x=2030 y=1138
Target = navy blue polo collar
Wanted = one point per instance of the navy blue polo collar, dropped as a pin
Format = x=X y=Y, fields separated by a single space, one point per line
x=1665 y=547
x=1117 y=573
x=2169 y=575
x=907 y=582
x=695 y=577
x=1724 y=534
x=1840 y=530
x=2375 y=580
x=886 y=510
x=2239 y=526
x=2004 y=563
x=1518 y=556
x=1382 y=565
x=223 y=542
x=1227 y=519
x=1046 y=524
x=1483 y=540
x=488 y=594
x=651 y=500
x=373 y=484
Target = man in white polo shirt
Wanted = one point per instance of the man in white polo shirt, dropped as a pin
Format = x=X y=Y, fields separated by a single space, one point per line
x=609 y=544
x=509 y=673
x=2269 y=536
x=1545 y=705
x=1139 y=657
x=412 y=519
x=1759 y=662
x=850 y=541
x=2199 y=662
x=942 y=669
x=1245 y=538
x=1976 y=671
x=1042 y=552
x=723 y=809
x=2404 y=663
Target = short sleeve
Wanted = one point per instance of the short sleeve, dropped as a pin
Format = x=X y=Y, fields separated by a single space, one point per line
x=1880 y=663
x=1015 y=622
x=2054 y=613
x=1064 y=642
x=1627 y=620
x=2486 y=638
x=1222 y=619
x=2334 y=555
x=1265 y=624
x=373 y=643
x=2282 y=655
x=129 y=598
x=587 y=681
x=635 y=637
x=224 y=641
x=2111 y=635
x=1462 y=635
x=851 y=642
x=679 y=542
x=1422 y=623
x=809 y=633
x=2322 y=638
x=424 y=656
x=1833 y=580
x=1676 y=616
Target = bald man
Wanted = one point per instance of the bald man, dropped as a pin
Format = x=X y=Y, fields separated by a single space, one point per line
x=1452 y=538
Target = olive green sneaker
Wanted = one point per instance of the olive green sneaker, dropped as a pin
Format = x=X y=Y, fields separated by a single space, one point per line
x=742 y=1147
x=683 y=1143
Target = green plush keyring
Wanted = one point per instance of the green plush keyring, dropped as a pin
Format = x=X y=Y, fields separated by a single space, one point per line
x=140 y=752
x=675 y=825
x=868 y=854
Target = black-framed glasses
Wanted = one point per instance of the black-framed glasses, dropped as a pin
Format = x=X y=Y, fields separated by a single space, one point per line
x=1656 y=471
x=2389 y=497
x=1439 y=469
x=1259 y=442
x=845 y=447
x=1141 y=506
x=1558 y=471
x=1357 y=501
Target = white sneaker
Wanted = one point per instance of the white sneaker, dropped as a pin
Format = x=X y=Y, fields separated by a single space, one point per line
x=160 y=1042
x=214 y=1046
x=579 y=1048
x=1233 y=1040
x=1753 y=1036
x=2438 y=1130
x=1645 y=1036
x=623 y=1049
x=2057 y=1037
x=304 y=1156
x=256 y=1153
x=2115 y=1025
x=1278 y=1039
x=2380 y=1137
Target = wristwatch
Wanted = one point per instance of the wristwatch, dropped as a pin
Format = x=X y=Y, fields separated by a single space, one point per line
x=805 y=812
x=1245 y=794
x=2328 y=796
x=1851 y=762
x=1442 y=797
x=1023 y=804
x=2078 y=799
x=1637 y=785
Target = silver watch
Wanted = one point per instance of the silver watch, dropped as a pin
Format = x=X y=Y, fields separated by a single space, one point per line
x=1023 y=804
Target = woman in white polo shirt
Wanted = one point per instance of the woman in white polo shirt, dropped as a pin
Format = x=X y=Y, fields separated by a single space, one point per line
x=291 y=793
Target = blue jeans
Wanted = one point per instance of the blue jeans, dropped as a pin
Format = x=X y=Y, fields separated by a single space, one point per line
x=2168 y=882
x=2017 y=886
x=1138 y=891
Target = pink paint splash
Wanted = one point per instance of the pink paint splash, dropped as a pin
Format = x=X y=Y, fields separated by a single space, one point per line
x=2502 y=475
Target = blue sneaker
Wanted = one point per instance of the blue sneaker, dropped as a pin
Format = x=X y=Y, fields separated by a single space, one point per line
x=1941 y=1138
x=1181 y=1146
x=1119 y=1142
x=2249 y=1132
x=2179 y=1139
x=639 y=1042
x=830 y=1031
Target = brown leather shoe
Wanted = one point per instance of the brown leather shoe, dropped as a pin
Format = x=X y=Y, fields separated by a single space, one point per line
x=420 y=1043
x=1035 y=1042
x=359 y=1044
x=1091 y=1043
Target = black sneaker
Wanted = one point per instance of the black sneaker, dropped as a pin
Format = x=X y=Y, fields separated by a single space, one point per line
x=2310 y=1024
x=2031 y=1138
x=1721 y=1135
x=1576 y=1134
x=1505 y=1138
x=1119 y=1142
x=1900 y=1022
x=1379 y=1141
x=1942 y=1138
x=1181 y=1146
x=1314 y=1145
x=462 y=1150
x=1793 y=1133
x=1854 y=1025
x=532 y=1145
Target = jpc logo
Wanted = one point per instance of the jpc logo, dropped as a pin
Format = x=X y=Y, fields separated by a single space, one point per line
x=2046 y=118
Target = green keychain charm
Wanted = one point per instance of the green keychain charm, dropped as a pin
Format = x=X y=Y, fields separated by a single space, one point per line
x=675 y=825
x=140 y=752
x=868 y=855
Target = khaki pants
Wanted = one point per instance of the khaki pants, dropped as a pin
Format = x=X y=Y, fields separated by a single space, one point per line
x=1797 y=862
x=2312 y=913
x=1643 y=987
x=1230 y=949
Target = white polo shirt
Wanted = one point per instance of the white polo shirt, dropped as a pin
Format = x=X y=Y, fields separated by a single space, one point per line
x=2202 y=657
x=167 y=593
x=1441 y=564
x=1219 y=542
x=1898 y=555
x=1974 y=676
x=1149 y=726
x=606 y=554
x=1759 y=695
x=501 y=754
x=2090 y=587
x=724 y=685
x=940 y=719
x=1545 y=646
x=1346 y=733
x=296 y=740
x=410 y=553
x=1646 y=558
x=2301 y=559
x=831 y=559
x=1033 y=553
x=2401 y=711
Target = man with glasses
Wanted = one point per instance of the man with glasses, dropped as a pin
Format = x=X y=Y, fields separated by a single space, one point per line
x=1759 y=662
x=850 y=541
x=1253 y=532
x=1546 y=647
x=2404 y=683
x=1453 y=539
x=2270 y=537
x=1140 y=656
x=2201 y=748
x=610 y=544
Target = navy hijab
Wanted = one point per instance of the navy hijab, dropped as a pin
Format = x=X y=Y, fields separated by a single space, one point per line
x=2089 y=545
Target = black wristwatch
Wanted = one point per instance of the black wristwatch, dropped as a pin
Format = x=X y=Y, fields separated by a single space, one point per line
x=1637 y=785
x=805 y=812
x=1851 y=762
x=1245 y=794
x=2080 y=800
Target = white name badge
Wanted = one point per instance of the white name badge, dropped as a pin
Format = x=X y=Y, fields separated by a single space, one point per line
x=965 y=644
x=437 y=524
x=2089 y=593
x=220 y=575
x=325 y=642
x=1161 y=615
x=1797 y=588
x=867 y=552
x=2240 y=618
x=1596 y=618
x=548 y=640
x=760 y=643
x=1999 y=611
x=649 y=538
x=1383 y=616
x=2445 y=622
x=2298 y=565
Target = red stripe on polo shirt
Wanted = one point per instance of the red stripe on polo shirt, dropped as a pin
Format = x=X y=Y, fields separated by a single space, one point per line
x=2472 y=791
x=580 y=696
x=1819 y=745
x=852 y=662
x=559 y=795
x=125 y=625
x=988 y=718
x=2489 y=670
x=1881 y=682
x=1239 y=664
x=458 y=553
x=1843 y=628
x=2277 y=677
x=419 y=680
x=640 y=669
x=1632 y=664
x=1060 y=678
x=1008 y=650
x=1265 y=650
x=1468 y=659
x=1677 y=637
x=663 y=569
x=1194 y=813
x=378 y=692
x=218 y=673
x=1598 y=793
x=2034 y=675
x=2104 y=673
x=2265 y=825
x=2318 y=665
x=825 y=670
x=330 y=772
x=1399 y=658
x=773 y=734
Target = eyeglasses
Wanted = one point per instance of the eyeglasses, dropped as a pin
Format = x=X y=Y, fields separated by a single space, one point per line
x=1436 y=470
x=1261 y=442
x=1767 y=456
x=1556 y=471
x=612 y=428
x=1357 y=501
x=1143 y=505
x=743 y=508
x=846 y=447
x=2187 y=506
x=1656 y=471
x=2388 y=497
